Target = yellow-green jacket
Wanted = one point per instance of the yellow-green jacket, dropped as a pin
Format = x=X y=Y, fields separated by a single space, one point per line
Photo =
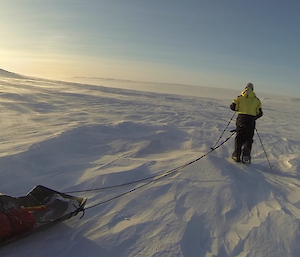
x=247 y=103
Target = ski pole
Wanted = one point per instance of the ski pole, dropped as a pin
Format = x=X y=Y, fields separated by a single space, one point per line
x=264 y=149
x=223 y=132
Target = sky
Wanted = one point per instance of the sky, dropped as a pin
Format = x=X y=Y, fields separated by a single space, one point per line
x=222 y=44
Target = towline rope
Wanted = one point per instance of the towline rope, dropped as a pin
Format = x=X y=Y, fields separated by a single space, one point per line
x=154 y=178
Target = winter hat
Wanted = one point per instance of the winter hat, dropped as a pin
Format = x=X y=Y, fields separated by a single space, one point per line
x=250 y=85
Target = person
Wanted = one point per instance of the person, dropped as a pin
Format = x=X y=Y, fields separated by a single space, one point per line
x=249 y=110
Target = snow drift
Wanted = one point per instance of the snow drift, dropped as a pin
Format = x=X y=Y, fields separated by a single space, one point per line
x=69 y=136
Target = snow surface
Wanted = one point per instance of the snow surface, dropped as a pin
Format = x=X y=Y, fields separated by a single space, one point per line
x=69 y=136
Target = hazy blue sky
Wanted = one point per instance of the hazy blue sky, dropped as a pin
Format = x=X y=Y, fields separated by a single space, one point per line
x=225 y=43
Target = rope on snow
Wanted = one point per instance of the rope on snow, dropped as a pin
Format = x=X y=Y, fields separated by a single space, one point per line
x=154 y=178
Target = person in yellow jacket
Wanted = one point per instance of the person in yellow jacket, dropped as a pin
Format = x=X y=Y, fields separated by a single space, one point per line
x=249 y=110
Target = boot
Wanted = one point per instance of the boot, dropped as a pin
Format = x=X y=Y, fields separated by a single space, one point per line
x=246 y=159
x=235 y=158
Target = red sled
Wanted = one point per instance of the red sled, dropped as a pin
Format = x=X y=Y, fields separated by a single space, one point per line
x=41 y=208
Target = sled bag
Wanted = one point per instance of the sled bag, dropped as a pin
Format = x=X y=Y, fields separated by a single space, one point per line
x=14 y=222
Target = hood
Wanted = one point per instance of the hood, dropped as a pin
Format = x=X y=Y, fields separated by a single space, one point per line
x=248 y=92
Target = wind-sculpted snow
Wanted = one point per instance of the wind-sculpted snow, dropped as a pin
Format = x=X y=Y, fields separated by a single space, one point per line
x=71 y=137
x=6 y=75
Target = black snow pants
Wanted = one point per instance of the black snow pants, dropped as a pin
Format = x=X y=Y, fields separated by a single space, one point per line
x=245 y=125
